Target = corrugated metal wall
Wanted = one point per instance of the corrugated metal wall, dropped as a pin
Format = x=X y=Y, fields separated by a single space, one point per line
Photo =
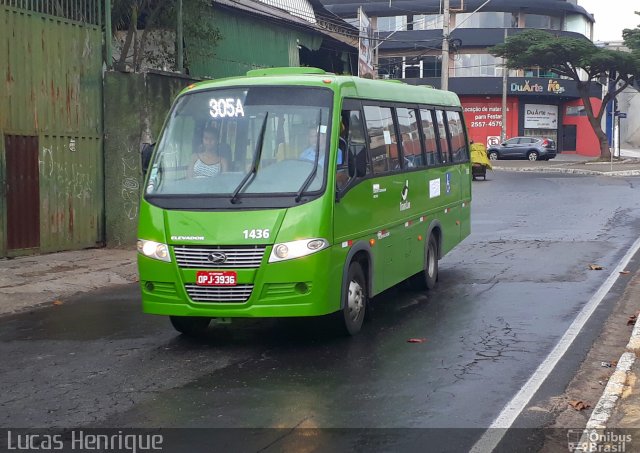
x=52 y=89
x=249 y=42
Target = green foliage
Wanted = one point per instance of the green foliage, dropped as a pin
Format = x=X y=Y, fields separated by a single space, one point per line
x=632 y=40
x=147 y=23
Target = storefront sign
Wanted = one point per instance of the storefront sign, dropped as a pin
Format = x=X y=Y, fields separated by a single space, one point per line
x=493 y=140
x=552 y=86
x=484 y=118
x=537 y=116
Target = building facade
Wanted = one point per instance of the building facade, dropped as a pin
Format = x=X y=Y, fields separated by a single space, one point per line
x=538 y=103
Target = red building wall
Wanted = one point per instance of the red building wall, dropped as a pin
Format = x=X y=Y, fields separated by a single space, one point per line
x=483 y=115
x=586 y=140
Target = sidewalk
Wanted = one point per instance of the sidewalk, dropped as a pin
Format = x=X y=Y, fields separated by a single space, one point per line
x=628 y=165
x=33 y=280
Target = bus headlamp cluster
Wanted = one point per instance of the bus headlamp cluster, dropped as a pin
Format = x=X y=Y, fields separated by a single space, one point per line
x=296 y=249
x=155 y=250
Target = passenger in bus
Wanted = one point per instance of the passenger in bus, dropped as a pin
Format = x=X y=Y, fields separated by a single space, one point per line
x=208 y=161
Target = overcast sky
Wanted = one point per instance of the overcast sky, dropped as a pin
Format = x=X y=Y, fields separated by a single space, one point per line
x=612 y=16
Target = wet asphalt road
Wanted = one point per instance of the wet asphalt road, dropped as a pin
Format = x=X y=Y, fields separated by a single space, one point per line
x=505 y=296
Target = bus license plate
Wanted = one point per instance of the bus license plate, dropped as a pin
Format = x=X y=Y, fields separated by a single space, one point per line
x=216 y=278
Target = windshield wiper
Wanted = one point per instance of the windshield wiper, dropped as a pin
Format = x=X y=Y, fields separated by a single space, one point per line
x=315 y=162
x=256 y=160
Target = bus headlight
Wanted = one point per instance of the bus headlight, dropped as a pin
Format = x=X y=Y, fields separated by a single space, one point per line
x=297 y=249
x=155 y=250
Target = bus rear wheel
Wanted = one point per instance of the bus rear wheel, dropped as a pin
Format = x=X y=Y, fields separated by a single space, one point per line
x=355 y=301
x=427 y=278
x=190 y=325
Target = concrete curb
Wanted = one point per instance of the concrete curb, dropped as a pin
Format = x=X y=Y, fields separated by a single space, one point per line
x=573 y=171
x=594 y=430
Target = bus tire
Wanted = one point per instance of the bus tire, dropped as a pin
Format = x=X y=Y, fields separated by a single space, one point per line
x=191 y=326
x=355 y=300
x=427 y=278
x=431 y=263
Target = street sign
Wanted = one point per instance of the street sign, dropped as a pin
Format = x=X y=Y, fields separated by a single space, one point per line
x=621 y=114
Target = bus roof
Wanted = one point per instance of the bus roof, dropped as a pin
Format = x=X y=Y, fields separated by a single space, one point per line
x=348 y=86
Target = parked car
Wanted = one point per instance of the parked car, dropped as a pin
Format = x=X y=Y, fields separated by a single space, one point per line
x=532 y=148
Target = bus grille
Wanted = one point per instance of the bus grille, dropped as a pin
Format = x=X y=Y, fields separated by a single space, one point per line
x=248 y=257
x=220 y=294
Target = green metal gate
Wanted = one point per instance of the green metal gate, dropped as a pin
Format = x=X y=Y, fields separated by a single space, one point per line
x=51 y=96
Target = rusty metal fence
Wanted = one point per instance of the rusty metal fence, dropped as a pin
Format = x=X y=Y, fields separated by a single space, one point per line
x=51 y=160
x=84 y=11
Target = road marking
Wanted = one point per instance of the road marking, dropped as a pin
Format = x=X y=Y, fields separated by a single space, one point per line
x=492 y=437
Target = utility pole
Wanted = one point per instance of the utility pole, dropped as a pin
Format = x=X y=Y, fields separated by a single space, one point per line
x=179 y=39
x=107 y=34
x=505 y=77
x=444 y=78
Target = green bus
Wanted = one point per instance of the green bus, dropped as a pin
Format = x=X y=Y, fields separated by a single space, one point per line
x=296 y=192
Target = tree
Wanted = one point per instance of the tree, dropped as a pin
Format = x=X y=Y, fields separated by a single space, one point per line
x=145 y=20
x=567 y=56
x=632 y=40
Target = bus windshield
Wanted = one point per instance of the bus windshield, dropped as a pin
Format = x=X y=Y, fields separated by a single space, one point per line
x=245 y=141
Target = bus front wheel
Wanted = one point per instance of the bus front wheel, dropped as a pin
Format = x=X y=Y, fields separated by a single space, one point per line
x=355 y=300
x=190 y=325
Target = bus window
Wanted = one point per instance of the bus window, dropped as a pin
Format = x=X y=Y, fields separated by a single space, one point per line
x=429 y=132
x=442 y=131
x=383 y=144
x=352 y=148
x=411 y=147
x=459 y=150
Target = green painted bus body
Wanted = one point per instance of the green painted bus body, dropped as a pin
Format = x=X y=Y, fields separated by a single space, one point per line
x=392 y=240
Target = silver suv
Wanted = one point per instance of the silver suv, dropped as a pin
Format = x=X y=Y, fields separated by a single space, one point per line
x=532 y=148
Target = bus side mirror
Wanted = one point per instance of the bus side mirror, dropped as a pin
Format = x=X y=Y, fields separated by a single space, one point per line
x=145 y=156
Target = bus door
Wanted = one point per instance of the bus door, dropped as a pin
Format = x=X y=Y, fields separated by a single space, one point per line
x=353 y=215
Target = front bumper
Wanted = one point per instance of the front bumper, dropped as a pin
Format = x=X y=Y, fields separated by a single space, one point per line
x=308 y=286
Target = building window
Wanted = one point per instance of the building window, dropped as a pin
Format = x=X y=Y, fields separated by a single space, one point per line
x=486 y=20
x=428 y=21
x=578 y=24
x=538 y=72
x=393 y=23
x=543 y=22
x=409 y=67
x=477 y=65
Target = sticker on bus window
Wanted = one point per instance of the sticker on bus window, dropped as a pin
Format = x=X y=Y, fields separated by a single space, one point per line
x=226 y=108
x=323 y=129
x=387 y=137
x=434 y=188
